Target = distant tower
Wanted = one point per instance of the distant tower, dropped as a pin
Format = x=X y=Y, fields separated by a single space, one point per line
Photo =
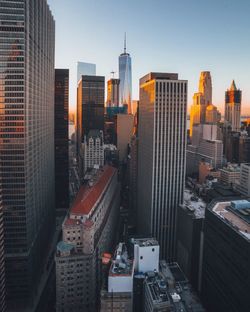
x=202 y=110
x=125 y=75
x=161 y=157
x=113 y=92
x=233 y=107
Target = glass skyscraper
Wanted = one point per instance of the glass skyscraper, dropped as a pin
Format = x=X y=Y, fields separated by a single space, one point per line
x=27 y=36
x=125 y=76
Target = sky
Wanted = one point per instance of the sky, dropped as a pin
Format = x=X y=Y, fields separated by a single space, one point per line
x=184 y=36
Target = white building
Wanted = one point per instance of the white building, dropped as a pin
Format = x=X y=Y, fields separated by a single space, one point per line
x=230 y=175
x=244 y=186
x=161 y=157
x=90 y=228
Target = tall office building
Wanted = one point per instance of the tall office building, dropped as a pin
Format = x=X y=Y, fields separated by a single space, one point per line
x=161 y=157
x=61 y=140
x=202 y=111
x=125 y=76
x=113 y=86
x=84 y=68
x=27 y=35
x=233 y=107
x=2 y=268
x=90 y=106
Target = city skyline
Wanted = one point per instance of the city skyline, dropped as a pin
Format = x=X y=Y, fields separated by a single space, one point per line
x=184 y=43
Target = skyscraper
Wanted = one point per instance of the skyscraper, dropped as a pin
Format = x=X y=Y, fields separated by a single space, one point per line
x=90 y=106
x=27 y=35
x=113 y=86
x=233 y=107
x=61 y=140
x=161 y=157
x=202 y=111
x=84 y=68
x=125 y=76
x=2 y=268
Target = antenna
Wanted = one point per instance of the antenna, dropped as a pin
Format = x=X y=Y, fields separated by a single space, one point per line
x=125 y=42
x=112 y=73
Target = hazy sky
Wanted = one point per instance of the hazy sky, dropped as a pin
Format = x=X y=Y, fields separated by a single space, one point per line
x=184 y=36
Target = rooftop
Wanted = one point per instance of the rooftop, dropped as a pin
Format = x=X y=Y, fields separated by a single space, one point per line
x=231 y=168
x=145 y=242
x=163 y=76
x=121 y=264
x=194 y=204
x=91 y=190
x=235 y=214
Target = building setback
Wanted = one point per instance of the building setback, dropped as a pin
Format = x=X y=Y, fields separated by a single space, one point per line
x=90 y=106
x=27 y=34
x=88 y=232
x=61 y=140
x=161 y=157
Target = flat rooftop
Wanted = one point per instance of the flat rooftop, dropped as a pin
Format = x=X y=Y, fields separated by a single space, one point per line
x=194 y=204
x=121 y=264
x=91 y=191
x=163 y=76
x=145 y=242
x=238 y=219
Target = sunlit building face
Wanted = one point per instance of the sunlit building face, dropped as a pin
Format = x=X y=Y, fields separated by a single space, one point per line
x=125 y=76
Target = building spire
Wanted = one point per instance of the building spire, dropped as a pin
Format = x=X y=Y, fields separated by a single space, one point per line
x=125 y=43
x=233 y=86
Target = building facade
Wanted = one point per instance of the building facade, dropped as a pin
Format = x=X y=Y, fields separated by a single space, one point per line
x=161 y=157
x=225 y=269
x=61 y=140
x=2 y=263
x=113 y=88
x=84 y=68
x=90 y=106
x=233 y=107
x=90 y=228
x=27 y=34
x=125 y=76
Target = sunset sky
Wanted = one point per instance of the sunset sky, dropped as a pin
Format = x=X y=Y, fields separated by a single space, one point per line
x=185 y=36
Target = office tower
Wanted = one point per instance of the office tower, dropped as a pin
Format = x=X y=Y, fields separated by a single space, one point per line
x=87 y=69
x=113 y=86
x=92 y=151
x=161 y=157
x=27 y=35
x=132 y=171
x=2 y=267
x=233 y=107
x=190 y=222
x=230 y=174
x=225 y=268
x=213 y=116
x=125 y=76
x=88 y=232
x=124 y=130
x=61 y=140
x=118 y=295
x=90 y=106
x=243 y=185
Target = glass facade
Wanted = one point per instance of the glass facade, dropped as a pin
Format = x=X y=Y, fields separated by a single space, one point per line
x=26 y=141
x=125 y=76
x=61 y=140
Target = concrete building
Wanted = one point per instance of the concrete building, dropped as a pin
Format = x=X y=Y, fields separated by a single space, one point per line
x=206 y=170
x=161 y=157
x=206 y=146
x=190 y=237
x=118 y=295
x=230 y=174
x=225 y=269
x=92 y=151
x=84 y=68
x=233 y=108
x=113 y=86
x=244 y=184
x=27 y=38
x=124 y=131
x=61 y=141
x=90 y=228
